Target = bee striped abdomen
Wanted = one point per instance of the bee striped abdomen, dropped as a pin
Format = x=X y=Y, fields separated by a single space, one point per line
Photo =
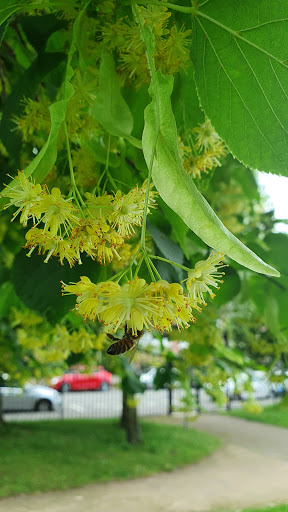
x=124 y=344
x=120 y=346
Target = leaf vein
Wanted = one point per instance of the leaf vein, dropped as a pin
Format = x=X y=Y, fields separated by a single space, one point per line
x=260 y=86
x=241 y=98
x=262 y=24
x=278 y=80
x=238 y=35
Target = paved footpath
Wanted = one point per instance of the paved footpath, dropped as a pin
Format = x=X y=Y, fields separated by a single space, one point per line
x=250 y=469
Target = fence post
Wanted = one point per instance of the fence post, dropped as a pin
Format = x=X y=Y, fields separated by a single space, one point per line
x=228 y=405
x=198 y=405
x=170 y=395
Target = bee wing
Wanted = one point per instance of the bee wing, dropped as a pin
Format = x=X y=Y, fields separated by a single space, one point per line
x=111 y=337
x=133 y=351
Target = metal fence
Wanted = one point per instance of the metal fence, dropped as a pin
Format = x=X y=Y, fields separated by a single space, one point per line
x=108 y=404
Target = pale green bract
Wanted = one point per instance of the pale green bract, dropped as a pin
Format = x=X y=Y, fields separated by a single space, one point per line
x=110 y=108
x=177 y=189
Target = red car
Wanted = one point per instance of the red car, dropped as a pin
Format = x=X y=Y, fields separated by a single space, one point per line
x=78 y=381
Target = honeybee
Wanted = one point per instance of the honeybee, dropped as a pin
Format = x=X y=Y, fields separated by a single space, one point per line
x=124 y=344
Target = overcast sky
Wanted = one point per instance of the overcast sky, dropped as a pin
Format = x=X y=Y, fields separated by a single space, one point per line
x=276 y=188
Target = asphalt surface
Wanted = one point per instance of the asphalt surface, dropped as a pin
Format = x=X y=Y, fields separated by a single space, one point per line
x=108 y=404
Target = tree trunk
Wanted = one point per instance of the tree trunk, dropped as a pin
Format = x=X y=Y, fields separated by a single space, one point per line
x=129 y=420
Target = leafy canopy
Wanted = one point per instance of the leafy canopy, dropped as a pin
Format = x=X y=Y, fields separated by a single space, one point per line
x=137 y=125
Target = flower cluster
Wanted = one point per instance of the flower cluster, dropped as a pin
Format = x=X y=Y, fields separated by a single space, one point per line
x=203 y=276
x=205 y=151
x=138 y=305
x=60 y=229
x=171 y=44
x=135 y=304
x=51 y=344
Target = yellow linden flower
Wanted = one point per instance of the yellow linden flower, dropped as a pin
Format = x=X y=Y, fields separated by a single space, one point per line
x=173 y=306
x=87 y=236
x=142 y=193
x=81 y=341
x=126 y=253
x=127 y=213
x=130 y=304
x=91 y=298
x=24 y=193
x=30 y=341
x=106 y=250
x=175 y=49
x=99 y=207
x=134 y=66
x=113 y=35
x=55 y=211
x=35 y=120
x=204 y=275
x=83 y=287
x=129 y=209
x=206 y=136
x=34 y=237
x=84 y=164
x=25 y=318
x=195 y=165
x=156 y=18
x=99 y=341
x=60 y=247
x=55 y=245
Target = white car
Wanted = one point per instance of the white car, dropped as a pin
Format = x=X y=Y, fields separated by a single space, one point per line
x=279 y=388
x=30 y=398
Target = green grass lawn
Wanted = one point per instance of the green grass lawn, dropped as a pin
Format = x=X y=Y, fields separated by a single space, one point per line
x=49 y=455
x=277 y=508
x=272 y=414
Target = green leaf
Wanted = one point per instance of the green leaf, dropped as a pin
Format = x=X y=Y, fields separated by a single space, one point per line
x=230 y=354
x=8 y=299
x=229 y=289
x=44 y=161
x=185 y=103
x=100 y=153
x=109 y=108
x=177 y=189
x=165 y=376
x=38 y=284
x=8 y=8
x=239 y=51
x=271 y=295
x=169 y=249
x=39 y=28
x=131 y=384
x=278 y=250
x=25 y=87
x=271 y=300
x=179 y=228
x=137 y=100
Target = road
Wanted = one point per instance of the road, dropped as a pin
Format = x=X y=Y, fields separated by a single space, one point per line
x=108 y=404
